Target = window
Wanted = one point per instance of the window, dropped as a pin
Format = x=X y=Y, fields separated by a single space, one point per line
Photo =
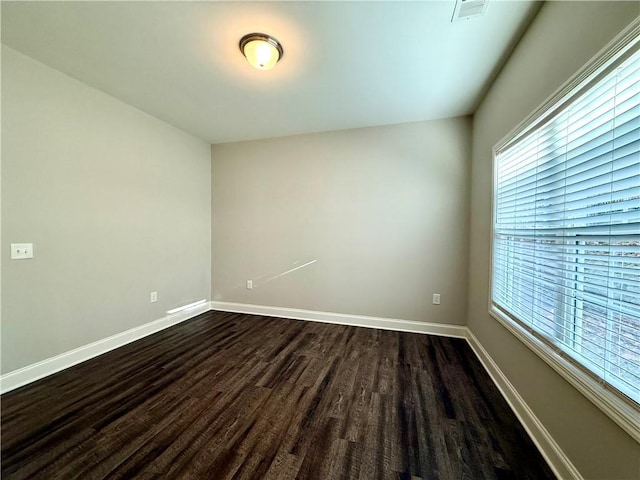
x=566 y=227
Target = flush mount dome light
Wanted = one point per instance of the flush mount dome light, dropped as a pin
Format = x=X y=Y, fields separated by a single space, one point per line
x=261 y=51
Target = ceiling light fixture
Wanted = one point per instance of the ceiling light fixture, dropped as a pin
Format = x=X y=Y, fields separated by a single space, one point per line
x=261 y=51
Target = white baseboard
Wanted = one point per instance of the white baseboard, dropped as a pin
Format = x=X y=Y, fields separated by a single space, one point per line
x=445 y=330
x=550 y=450
x=555 y=457
x=36 y=371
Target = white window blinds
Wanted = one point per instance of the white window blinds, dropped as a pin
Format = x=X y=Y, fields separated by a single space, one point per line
x=566 y=241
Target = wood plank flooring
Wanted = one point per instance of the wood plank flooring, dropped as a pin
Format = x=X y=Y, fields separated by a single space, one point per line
x=231 y=396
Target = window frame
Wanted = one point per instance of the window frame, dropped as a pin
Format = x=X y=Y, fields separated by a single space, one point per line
x=621 y=409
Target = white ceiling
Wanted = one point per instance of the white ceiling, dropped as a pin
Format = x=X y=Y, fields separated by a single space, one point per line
x=345 y=64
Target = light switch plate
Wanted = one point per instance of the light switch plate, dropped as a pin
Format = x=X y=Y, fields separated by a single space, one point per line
x=21 y=251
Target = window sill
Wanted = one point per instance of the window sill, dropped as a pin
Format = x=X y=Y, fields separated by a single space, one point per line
x=623 y=412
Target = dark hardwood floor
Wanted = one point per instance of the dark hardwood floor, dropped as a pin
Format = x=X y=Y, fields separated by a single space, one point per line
x=227 y=396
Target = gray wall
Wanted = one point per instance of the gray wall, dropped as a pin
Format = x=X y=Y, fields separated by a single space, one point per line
x=116 y=202
x=383 y=211
x=563 y=37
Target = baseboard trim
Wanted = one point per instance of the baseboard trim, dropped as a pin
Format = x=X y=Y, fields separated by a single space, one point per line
x=445 y=330
x=550 y=450
x=31 y=373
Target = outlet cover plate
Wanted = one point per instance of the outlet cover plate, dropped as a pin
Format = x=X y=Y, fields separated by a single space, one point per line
x=21 y=251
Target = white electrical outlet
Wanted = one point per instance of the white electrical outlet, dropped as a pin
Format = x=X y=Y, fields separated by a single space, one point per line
x=154 y=297
x=436 y=299
x=250 y=284
x=21 y=251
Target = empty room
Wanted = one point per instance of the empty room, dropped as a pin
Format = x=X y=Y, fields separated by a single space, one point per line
x=320 y=240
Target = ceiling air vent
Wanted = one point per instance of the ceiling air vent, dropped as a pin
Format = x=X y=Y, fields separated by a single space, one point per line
x=466 y=9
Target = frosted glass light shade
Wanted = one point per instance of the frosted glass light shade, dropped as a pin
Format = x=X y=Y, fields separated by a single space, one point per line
x=261 y=51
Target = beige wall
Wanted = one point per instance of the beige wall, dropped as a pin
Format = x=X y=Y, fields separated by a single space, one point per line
x=383 y=212
x=117 y=204
x=563 y=37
